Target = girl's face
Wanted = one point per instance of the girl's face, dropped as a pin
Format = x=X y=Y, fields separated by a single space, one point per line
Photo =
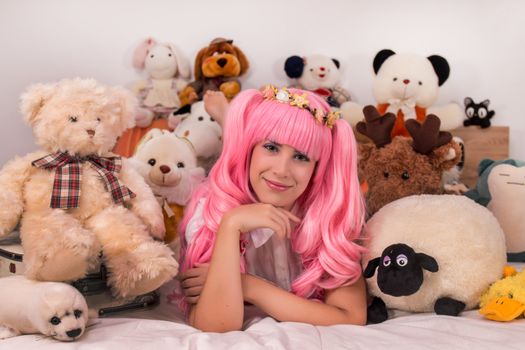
x=279 y=174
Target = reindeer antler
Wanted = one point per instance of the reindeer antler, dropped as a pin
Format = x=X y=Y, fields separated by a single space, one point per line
x=378 y=128
x=427 y=135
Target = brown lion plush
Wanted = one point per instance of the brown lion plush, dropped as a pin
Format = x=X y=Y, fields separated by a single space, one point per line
x=401 y=167
x=216 y=68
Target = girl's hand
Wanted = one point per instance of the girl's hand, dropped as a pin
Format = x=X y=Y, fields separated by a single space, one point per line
x=192 y=282
x=249 y=217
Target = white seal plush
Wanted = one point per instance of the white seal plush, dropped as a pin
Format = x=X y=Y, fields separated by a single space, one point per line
x=54 y=309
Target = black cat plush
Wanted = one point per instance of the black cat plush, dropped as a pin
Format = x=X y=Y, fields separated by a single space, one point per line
x=477 y=113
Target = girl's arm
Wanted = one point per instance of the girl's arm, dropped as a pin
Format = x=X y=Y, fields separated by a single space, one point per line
x=220 y=307
x=343 y=305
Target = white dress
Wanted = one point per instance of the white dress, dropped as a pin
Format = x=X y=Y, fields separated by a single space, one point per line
x=266 y=255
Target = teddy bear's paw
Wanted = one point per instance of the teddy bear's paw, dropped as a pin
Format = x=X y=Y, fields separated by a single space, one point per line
x=65 y=265
x=143 y=270
x=7 y=332
x=156 y=227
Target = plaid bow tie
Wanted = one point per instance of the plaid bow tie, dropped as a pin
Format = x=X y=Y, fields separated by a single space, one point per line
x=66 y=187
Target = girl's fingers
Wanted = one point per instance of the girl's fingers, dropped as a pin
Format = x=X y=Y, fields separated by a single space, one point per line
x=192 y=282
x=193 y=292
x=192 y=300
x=291 y=216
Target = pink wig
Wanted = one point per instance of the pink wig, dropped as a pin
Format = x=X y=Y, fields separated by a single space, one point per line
x=329 y=253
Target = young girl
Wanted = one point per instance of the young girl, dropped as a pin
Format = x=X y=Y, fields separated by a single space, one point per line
x=276 y=224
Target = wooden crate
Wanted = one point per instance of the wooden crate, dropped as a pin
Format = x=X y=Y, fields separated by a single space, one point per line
x=490 y=143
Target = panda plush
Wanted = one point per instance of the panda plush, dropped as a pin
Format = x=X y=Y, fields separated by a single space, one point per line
x=407 y=85
x=320 y=74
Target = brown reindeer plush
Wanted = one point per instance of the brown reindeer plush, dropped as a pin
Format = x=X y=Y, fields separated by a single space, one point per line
x=401 y=167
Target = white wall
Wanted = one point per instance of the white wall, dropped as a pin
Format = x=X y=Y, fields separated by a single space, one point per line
x=484 y=42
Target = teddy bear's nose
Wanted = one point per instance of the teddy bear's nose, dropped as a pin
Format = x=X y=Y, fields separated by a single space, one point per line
x=222 y=62
x=322 y=69
x=91 y=132
x=406 y=81
x=164 y=169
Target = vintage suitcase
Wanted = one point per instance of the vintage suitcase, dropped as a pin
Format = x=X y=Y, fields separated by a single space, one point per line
x=93 y=286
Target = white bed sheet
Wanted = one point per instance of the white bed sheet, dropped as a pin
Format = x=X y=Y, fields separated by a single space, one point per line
x=163 y=327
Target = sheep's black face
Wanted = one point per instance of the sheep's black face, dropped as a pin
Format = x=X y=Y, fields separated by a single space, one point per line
x=399 y=272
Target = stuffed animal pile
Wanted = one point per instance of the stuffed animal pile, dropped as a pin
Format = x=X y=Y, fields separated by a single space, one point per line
x=74 y=198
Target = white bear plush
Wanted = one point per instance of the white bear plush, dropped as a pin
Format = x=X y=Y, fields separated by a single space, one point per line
x=168 y=164
x=408 y=85
x=53 y=309
x=320 y=74
x=204 y=133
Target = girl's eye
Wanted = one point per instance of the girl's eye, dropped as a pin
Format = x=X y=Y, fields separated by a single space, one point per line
x=73 y=119
x=271 y=147
x=301 y=157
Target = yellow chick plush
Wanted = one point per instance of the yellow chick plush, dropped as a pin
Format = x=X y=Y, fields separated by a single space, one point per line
x=505 y=299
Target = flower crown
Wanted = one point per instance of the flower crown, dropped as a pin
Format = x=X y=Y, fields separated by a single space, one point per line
x=282 y=95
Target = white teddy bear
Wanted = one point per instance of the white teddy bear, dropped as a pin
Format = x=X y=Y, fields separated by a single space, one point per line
x=168 y=164
x=407 y=85
x=320 y=74
x=202 y=131
x=74 y=197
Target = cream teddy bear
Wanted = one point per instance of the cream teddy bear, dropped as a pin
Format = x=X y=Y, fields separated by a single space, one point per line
x=74 y=197
x=169 y=166
x=53 y=309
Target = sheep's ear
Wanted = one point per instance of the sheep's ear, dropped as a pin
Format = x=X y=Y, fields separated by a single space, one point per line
x=35 y=97
x=371 y=267
x=427 y=262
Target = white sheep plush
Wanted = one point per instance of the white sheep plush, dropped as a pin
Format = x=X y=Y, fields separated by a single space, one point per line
x=432 y=253
x=53 y=309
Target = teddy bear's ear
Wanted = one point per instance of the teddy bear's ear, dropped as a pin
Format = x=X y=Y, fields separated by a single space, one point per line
x=125 y=104
x=380 y=58
x=34 y=99
x=441 y=68
x=293 y=66
x=140 y=53
x=148 y=136
x=242 y=59
x=197 y=70
x=183 y=65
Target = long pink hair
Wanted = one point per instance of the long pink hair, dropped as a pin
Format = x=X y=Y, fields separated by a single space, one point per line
x=331 y=207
